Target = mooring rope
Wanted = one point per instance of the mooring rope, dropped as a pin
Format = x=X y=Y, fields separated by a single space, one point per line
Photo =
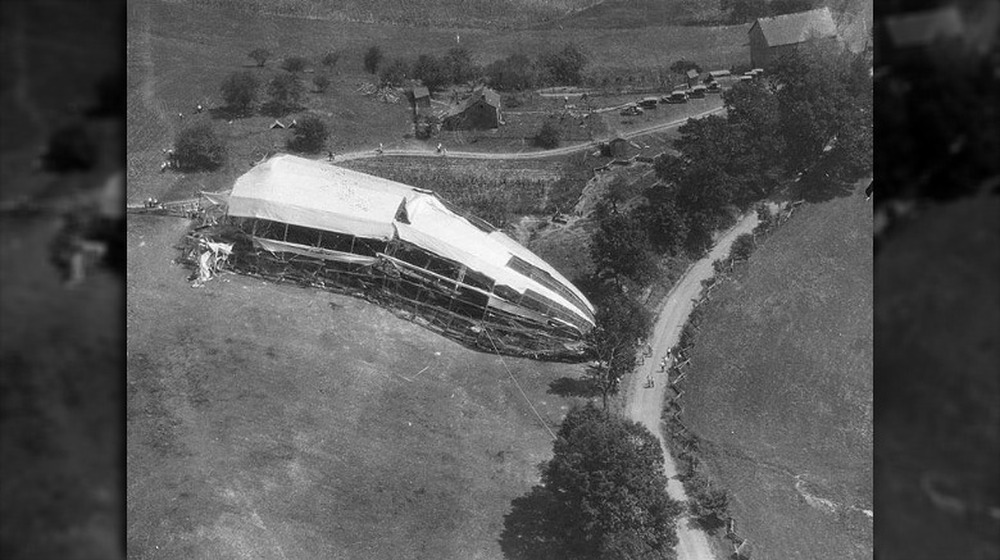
x=518 y=385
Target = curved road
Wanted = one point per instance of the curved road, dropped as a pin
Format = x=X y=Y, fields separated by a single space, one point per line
x=646 y=405
x=566 y=150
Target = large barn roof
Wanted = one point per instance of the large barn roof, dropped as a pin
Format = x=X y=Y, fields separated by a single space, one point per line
x=316 y=194
x=795 y=28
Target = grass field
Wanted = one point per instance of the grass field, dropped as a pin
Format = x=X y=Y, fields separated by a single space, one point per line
x=781 y=386
x=178 y=55
x=268 y=417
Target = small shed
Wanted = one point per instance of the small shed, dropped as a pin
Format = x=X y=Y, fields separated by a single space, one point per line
x=692 y=76
x=420 y=98
x=480 y=111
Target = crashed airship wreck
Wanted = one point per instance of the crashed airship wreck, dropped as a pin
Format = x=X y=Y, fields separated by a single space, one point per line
x=310 y=222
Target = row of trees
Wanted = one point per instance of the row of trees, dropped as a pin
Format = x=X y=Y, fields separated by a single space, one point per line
x=519 y=71
x=816 y=105
x=199 y=148
x=241 y=92
x=455 y=67
x=516 y=72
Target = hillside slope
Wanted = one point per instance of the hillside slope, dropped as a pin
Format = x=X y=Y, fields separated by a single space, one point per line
x=781 y=386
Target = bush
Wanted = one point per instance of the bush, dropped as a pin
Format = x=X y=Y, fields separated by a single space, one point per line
x=683 y=65
x=71 y=148
x=394 y=73
x=373 y=57
x=285 y=90
x=239 y=91
x=548 y=137
x=742 y=247
x=198 y=148
x=322 y=83
x=295 y=64
x=260 y=56
x=516 y=72
x=459 y=67
x=309 y=136
x=331 y=59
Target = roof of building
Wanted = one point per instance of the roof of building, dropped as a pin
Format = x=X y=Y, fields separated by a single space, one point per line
x=795 y=28
x=488 y=95
x=692 y=73
x=923 y=28
x=421 y=92
x=318 y=195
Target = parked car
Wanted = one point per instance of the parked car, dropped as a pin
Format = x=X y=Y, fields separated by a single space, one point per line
x=698 y=91
x=677 y=97
x=648 y=103
x=745 y=78
x=631 y=111
x=713 y=87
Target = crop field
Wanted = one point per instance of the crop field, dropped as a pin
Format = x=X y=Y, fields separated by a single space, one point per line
x=269 y=418
x=780 y=388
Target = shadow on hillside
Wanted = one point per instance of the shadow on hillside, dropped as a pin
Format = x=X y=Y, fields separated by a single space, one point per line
x=531 y=528
x=819 y=188
x=572 y=387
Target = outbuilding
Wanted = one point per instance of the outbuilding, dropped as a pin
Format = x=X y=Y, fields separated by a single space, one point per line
x=480 y=111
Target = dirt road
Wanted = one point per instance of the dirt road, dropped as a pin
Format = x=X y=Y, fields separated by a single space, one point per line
x=645 y=405
x=566 y=150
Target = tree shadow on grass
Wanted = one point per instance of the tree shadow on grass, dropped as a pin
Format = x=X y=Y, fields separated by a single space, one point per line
x=821 y=184
x=572 y=387
x=530 y=529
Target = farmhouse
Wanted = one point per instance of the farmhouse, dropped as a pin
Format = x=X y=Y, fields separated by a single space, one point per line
x=405 y=247
x=480 y=110
x=420 y=97
x=770 y=38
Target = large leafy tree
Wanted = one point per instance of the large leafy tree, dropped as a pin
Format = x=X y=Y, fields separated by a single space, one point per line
x=603 y=496
x=620 y=248
x=621 y=322
x=458 y=63
x=813 y=96
x=565 y=66
x=666 y=223
x=286 y=90
x=432 y=71
x=239 y=91
x=198 y=148
x=373 y=58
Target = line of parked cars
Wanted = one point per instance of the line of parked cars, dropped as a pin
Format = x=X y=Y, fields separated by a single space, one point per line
x=682 y=92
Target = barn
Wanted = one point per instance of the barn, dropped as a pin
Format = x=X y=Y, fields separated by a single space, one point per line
x=312 y=222
x=772 y=37
x=480 y=111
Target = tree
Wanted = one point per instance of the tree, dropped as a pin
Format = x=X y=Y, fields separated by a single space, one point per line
x=514 y=73
x=331 y=59
x=742 y=247
x=394 y=73
x=813 y=98
x=621 y=322
x=309 y=135
x=683 y=65
x=458 y=65
x=198 y=148
x=710 y=506
x=294 y=63
x=603 y=495
x=239 y=91
x=548 y=136
x=431 y=72
x=373 y=58
x=260 y=56
x=664 y=221
x=620 y=248
x=285 y=90
x=746 y=10
x=565 y=66
x=322 y=82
